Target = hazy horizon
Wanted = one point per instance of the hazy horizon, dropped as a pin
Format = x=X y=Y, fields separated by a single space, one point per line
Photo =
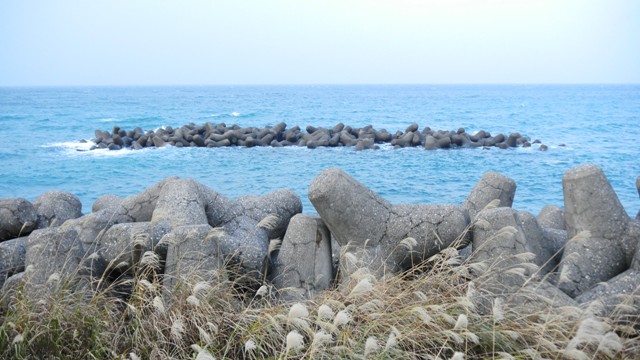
x=334 y=42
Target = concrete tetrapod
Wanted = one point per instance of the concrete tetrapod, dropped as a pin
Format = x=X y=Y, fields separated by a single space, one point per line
x=602 y=237
x=374 y=234
x=304 y=265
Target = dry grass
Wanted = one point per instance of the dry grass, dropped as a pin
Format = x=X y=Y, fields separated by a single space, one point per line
x=427 y=313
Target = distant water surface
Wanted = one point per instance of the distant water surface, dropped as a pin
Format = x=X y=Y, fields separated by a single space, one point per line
x=598 y=124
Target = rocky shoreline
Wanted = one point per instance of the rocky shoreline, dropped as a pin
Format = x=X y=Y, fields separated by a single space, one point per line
x=587 y=251
x=220 y=135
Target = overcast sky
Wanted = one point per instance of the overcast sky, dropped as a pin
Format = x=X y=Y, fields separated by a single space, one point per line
x=171 y=42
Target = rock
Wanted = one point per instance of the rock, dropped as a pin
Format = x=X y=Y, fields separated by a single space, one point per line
x=10 y=289
x=512 y=140
x=284 y=204
x=304 y=260
x=352 y=212
x=18 y=218
x=430 y=143
x=551 y=217
x=538 y=296
x=244 y=248
x=180 y=203
x=626 y=283
x=412 y=128
x=106 y=201
x=54 y=260
x=500 y=235
x=127 y=242
x=55 y=207
x=433 y=227
x=492 y=186
x=555 y=241
x=192 y=256
x=368 y=226
x=12 y=257
x=602 y=237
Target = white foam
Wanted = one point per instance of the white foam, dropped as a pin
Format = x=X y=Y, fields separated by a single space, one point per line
x=235 y=114
x=72 y=145
x=108 y=120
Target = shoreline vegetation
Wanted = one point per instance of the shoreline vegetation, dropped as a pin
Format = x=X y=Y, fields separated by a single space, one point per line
x=220 y=135
x=181 y=272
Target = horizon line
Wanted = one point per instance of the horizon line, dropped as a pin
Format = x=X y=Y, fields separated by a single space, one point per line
x=320 y=84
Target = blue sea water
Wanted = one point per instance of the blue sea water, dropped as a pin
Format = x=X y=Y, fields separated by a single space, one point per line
x=40 y=129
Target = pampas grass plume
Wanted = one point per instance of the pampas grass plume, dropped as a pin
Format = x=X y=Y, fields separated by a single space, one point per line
x=325 y=313
x=462 y=323
x=371 y=346
x=297 y=311
x=158 y=304
x=250 y=345
x=342 y=318
x=363 y=286
x=295 y=341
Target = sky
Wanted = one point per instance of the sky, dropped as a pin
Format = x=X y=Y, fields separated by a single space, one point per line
x=208 y=42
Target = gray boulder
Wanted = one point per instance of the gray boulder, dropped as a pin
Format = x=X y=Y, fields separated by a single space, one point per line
x=554 y=241
x=54 y=259
x=392 y=237
x=602 y=237
x=492 y=186
x=433 y=227
x=283 y=204
x=106 y=201
x=501 y=234
x=352 y=212
x=55 y=207
x=12 y=257
x=192 y=255
x=10 y=289
x=243 y=247
x=17 y=218
x=626 y=283
x=127 y=242
x=638 y=187
x=180 y=203
x=537 y=296
x=551 y=217
x=304 y=261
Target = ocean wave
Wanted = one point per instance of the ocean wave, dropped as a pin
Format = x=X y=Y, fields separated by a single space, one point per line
x=71 y=145
x=107 y=120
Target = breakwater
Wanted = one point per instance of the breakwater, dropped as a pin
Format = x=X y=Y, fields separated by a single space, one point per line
x=361 y=138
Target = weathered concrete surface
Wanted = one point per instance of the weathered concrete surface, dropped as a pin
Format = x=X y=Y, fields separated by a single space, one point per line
x=352 y=212
x=127 y=242
x=551 y=217
x=283 y=204
x=500 y=234
x=304 y=260
x=433 y=227
x=491 y=186
x=53 y=256
x=17 y=218
x=106 y=201
x=12 y=257
x=192 y=256
x=626 y=283
x=603 y=239
x=180 y=203
x=555 y=241
x=55 y=207
x=364 y=222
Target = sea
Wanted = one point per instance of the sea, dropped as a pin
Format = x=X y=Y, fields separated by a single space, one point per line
x=41 y=129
